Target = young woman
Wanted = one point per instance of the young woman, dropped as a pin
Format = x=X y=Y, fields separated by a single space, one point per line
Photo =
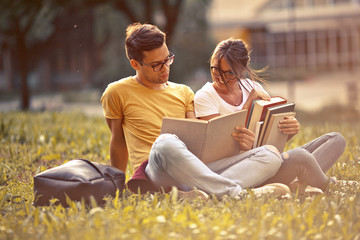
x=231 y=91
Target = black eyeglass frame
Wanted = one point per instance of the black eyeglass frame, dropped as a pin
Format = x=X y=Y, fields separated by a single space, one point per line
x=224 y=74
x=158 y=66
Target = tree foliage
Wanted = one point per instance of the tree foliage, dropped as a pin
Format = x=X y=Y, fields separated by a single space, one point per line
x=27 y=26
x=23 y=23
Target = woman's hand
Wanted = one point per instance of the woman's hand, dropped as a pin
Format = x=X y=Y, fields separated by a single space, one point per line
x=254 y=94
x=289 y=126
x=244 y=137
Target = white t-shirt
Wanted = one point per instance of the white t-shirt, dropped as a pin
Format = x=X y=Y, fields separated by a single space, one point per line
x=208 y=102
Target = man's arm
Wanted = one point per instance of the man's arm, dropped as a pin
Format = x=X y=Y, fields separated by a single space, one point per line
x=190 y=115
x=118 y=149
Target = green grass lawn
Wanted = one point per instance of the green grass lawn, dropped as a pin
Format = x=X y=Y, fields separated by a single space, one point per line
x=33 y=142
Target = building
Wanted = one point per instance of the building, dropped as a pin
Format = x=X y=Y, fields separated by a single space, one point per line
x=297 y=36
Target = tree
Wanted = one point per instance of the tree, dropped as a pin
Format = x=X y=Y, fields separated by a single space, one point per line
x=27 y=25
x=22 y=19
x=163 y=13
x=20 y=22
x=193 y=45
x=170 y=10
x=184 y=23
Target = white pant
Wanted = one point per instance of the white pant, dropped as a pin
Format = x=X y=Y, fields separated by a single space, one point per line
x=172 y=164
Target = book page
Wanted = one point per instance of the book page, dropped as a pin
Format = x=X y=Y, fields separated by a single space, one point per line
x=250 y=113
x=191 y=131
x=257 y=133
x=219 y=142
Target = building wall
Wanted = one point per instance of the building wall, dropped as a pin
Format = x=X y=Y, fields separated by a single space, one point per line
x=300 y=36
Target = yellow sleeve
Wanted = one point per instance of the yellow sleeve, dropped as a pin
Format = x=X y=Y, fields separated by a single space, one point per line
x=111 y=103
x=189 y=99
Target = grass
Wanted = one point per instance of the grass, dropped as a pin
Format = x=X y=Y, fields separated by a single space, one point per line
x=33 y=142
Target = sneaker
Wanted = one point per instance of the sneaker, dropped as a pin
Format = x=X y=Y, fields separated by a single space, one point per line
x=303 y=189
x=277 y=190
x=191 y=195
x=296 y=186
x=312 y=191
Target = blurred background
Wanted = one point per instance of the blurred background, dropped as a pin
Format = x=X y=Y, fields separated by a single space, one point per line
x=61 y=55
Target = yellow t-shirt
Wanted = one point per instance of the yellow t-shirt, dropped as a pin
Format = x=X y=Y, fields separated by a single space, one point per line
x=142 y=110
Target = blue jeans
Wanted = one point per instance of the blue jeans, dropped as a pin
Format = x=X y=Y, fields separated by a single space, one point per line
x=172 y=164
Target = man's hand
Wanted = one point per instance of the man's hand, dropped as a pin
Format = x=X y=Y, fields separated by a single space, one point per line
x=289 y=126
x=244 y=137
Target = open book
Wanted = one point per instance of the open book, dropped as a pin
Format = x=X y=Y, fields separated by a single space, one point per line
x=208 y=140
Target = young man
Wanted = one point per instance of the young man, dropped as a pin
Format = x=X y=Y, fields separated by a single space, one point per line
x=134 y=108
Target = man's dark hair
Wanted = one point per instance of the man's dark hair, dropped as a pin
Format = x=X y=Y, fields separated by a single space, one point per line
x=142 y=37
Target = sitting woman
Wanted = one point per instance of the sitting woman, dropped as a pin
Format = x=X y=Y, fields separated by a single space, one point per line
x=231 y=91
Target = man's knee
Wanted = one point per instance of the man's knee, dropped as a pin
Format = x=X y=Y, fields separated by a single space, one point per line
x=165 y=149
x=166 y=144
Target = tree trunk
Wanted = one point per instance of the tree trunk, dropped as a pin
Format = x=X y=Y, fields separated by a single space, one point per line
x=23 y=64
x=172 y=11
x=8 y=68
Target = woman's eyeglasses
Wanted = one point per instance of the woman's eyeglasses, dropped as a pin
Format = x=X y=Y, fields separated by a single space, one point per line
x=158 y=66
x=225 y=75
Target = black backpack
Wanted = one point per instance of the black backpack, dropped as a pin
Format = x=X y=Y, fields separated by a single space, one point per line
x=77 y=179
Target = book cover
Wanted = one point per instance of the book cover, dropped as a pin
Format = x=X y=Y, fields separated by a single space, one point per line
x=208 y=140
x=250 y=111
x=191 y=131
x=287 y=107
x=259 y=110
x=273 y=136
x=257 y=133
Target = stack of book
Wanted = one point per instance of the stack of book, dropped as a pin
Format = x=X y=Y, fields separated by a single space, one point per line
x=263 y=119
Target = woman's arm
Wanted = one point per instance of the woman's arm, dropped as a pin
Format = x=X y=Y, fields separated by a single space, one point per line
x=209 y=117
x=244 y=137
x=254 y=94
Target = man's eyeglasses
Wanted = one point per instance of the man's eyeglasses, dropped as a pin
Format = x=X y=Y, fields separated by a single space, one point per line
x=158 y=66
x=228 y=75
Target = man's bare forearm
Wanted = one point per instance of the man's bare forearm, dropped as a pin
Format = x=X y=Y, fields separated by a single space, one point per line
x=118 y=155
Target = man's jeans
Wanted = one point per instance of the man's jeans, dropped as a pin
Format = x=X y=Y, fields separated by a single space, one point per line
x=172 y=164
